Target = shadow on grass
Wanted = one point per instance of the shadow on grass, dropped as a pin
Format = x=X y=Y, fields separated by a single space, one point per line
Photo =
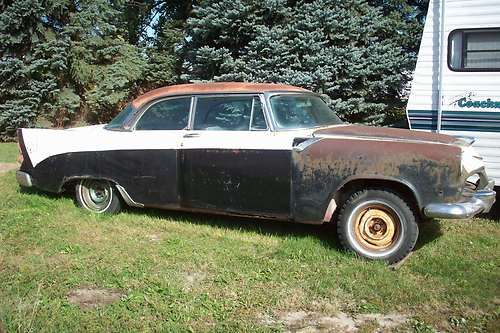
x=429 y=230
x=48 y=195
x=494 y=213
x=326 y=233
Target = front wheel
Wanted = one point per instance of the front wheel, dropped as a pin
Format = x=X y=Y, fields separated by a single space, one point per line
x=377 y=224
x=97 y=196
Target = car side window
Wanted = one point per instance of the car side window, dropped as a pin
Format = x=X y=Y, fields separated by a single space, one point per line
x=258 y=119
x=228 y=113
x=170 y=114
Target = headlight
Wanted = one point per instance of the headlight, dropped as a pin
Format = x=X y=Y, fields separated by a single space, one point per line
x=471 y=160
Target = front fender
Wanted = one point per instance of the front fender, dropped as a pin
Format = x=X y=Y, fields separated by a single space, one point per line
x=322 y=167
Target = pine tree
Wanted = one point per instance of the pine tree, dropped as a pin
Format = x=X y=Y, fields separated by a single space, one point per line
x=104 y=68
x=63 y=61
x=346 y=50
x=163 y=49
x=30 y=59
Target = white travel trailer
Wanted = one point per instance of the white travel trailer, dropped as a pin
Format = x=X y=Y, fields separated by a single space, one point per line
x=456 y=85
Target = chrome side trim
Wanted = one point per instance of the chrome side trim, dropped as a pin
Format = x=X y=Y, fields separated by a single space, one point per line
x=467 y=140
x=481 y=202
x=374 y=138
x=305 y=144
x=24 y=179
x=126 y=197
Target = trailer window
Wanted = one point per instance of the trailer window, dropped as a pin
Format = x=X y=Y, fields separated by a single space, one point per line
x=474 y=50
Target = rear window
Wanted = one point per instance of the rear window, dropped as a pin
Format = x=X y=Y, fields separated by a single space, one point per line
x=170 y=114
x=121 y=118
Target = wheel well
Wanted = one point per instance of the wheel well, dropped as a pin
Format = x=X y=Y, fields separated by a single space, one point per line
x=69 y=184
x=69 y=187
x=343 y=193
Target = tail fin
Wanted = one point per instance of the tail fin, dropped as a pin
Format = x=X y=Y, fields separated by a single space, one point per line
x=24 y=157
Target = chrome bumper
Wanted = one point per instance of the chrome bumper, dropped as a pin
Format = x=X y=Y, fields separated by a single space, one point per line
x=481 y=202
x=24 y=179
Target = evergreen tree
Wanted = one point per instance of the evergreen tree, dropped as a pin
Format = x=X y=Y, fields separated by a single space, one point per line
x=347 y=50
x=165 y=54
x=30 y=58
x=64 y=61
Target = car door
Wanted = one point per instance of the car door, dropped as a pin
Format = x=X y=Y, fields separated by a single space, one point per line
x=152 y=166
x=231 y=161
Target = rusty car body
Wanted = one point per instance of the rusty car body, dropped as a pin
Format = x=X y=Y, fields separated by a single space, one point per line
x=262 y=150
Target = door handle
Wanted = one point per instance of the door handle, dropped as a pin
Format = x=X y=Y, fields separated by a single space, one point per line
x=191 y=135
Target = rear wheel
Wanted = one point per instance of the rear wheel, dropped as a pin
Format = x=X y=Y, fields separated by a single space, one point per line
x=377 y=224
x=98 y=196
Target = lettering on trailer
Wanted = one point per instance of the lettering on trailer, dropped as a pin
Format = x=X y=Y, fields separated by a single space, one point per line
x=488 y=103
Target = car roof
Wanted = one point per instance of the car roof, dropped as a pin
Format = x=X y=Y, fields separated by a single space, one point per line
x=213 y=88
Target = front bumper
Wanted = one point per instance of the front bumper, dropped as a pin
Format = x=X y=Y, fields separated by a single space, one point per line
x=24 y=179
x=480 y=202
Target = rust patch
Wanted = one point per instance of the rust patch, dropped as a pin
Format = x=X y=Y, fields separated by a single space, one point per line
x=386 y=133
x=432 y=171
x=214 y=87
x=377 y=228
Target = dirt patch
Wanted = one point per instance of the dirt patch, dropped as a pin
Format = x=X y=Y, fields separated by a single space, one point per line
x=202 y=324
x=302 y=321
x=87 y=298
x=386 y=321
x=154 y=237
x=4 y=167
x=56 y=261
x=193 y=279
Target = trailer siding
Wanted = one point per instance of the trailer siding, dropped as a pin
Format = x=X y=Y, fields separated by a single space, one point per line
x=482 y=123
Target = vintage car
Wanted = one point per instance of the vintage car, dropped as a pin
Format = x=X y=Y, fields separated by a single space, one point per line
x=262 y=150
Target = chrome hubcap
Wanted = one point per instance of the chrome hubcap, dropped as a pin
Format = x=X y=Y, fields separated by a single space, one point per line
x=96 y=195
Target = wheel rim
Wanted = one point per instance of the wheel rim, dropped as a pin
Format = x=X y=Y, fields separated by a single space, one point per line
x=375 y=229
x=96 y=195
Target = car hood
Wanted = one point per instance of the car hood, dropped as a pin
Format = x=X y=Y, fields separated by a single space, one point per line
x=386 y=133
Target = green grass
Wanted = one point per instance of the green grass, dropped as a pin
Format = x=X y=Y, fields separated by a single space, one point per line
x=8 y=152
x=188 y=272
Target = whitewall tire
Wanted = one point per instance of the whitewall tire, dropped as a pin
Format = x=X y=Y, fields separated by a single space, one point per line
x=377 y=224
x=97 y=196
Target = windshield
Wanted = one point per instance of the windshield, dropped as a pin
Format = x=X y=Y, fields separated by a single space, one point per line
x=302 y=111
x=119 y=120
